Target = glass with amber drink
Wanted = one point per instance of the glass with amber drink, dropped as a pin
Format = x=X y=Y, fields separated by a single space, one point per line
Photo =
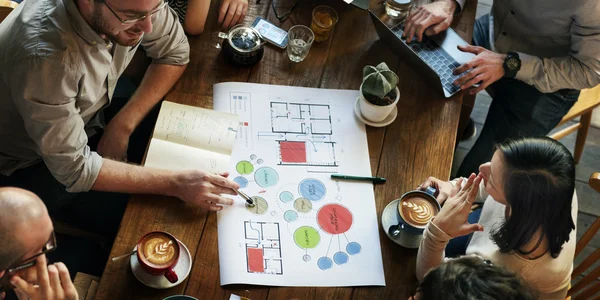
x=323 y=22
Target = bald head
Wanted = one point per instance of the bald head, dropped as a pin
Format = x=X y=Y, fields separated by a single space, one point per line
x=24 y=222
x=19 y=205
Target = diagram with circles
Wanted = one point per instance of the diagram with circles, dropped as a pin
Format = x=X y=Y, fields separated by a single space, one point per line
x=305 y=228
x=295 y=201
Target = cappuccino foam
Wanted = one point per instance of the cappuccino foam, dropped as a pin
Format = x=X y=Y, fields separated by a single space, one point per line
x=417 y=211
x=159 y=249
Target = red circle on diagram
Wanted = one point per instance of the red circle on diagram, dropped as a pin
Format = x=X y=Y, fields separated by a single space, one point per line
x=334 y=219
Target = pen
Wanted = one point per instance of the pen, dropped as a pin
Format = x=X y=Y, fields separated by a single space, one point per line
x=362 y=178
x=246 y=197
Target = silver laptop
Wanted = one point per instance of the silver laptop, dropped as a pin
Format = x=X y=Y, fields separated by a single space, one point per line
x=436 y=56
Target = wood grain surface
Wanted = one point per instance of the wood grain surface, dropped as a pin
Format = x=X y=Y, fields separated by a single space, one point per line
x=420 y=143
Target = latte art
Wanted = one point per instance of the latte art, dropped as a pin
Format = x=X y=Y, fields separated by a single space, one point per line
x=159 y=249
x=417 y=211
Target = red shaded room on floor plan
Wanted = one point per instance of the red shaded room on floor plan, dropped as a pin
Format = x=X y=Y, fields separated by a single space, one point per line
x=293 y=152
x=255 y=260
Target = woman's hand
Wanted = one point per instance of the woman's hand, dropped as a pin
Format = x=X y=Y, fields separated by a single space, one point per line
x=232 y=12
x=453 y=218
x=444 y=188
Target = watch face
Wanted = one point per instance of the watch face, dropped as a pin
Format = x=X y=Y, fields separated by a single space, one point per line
x=512 y=63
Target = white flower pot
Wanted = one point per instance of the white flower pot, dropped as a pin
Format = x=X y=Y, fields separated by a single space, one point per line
x=376 y=113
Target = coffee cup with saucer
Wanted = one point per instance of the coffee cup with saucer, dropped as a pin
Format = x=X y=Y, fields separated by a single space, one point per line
x=405 y=219
x=175 y=269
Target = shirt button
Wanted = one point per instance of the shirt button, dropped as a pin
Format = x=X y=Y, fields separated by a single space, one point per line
x=94 y=43
x=512 y=12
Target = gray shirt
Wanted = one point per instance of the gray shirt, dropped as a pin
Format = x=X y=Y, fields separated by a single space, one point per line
x=558 y=41
x=56 y=74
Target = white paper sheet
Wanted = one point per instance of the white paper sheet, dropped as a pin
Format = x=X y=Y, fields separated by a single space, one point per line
x=187 y=137
x=306 y=229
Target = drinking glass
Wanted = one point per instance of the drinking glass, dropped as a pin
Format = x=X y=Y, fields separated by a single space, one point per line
x=397 y=9
x=300 y=38
x=324 y=19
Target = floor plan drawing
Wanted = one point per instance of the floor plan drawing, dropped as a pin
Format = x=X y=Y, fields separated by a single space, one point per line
x=304 y=135
x=302 y=227
x=263 y=247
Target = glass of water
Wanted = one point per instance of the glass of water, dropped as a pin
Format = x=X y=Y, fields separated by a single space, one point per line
x=300 y=38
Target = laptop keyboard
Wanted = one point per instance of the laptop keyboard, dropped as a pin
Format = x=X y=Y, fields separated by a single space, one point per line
x=434 y=56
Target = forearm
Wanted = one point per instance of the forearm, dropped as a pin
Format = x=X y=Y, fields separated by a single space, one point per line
x=195 y=16
x=552 y=74
x=431 y=250
x=158 y=80
x=121 y=177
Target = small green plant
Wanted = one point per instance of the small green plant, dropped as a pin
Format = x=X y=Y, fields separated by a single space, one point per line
x=379 y=84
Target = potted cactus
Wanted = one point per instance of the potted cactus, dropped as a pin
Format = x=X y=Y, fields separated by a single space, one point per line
x=379 y=93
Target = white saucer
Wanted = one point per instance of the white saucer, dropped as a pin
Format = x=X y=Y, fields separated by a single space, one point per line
x=387 y=121
x=389 y=217
x=182 y=269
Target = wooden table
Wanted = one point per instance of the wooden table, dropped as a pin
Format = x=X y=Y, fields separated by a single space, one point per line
x=420 y=143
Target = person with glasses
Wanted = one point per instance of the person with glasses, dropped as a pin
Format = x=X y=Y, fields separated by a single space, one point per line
x=192 y=13
x=471 y=277
x=59 y=65
x=527 y=223
x=26 y=235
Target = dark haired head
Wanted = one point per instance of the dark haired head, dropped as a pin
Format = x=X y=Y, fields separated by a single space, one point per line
x=538 y=183
x=470 y=278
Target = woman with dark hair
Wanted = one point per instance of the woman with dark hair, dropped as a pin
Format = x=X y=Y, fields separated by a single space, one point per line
x=471 y=277
x=527 y=223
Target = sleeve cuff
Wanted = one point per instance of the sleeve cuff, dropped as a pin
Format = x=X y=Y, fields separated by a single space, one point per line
x=437 y=235
x=528 y=67
x=88 y=175
x=459 y=7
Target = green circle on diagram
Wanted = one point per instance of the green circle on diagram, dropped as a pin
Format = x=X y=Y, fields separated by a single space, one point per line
x=244 y=167
x=307 y=237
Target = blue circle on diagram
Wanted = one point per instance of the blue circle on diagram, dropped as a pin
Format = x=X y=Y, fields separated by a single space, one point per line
x=266 y=177
x=290 y=216
x=312 y=189
x=324 y=263
x=242 y=181
x=340 y=258
x=353 y=248
x=286 y=196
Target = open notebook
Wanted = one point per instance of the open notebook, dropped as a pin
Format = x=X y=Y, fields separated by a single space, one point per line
x=187 y=137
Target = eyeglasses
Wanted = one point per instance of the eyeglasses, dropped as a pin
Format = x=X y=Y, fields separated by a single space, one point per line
x=135 y=19
x=50 y=246
x=286 y=15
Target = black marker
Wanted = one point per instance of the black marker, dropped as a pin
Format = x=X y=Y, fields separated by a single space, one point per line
x=249 y=200
x=361 y=178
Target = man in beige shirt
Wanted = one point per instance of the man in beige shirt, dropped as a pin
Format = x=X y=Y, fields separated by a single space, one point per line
x=532 y=56
x=59 y=64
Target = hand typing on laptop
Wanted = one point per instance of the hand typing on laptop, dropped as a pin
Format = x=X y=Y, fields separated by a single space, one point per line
x=429 y=19
x=484 y=69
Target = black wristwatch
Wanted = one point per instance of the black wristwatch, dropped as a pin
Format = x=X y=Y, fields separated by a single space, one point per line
x=511 y=65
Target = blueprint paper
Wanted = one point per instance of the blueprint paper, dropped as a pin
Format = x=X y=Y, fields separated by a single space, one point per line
x=305 y=229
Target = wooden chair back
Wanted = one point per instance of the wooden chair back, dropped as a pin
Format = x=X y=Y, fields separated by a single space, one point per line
x=6 y=6
x=589 y=285
x=583 y=108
